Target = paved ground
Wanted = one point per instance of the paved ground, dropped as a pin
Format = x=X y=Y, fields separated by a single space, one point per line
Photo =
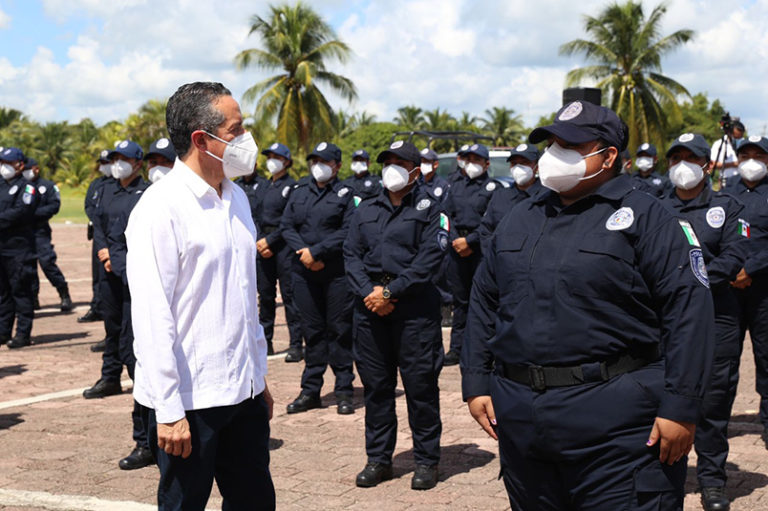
x=59 y=451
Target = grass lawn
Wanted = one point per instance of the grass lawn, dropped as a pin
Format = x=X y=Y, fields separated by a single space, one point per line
x=72 y=209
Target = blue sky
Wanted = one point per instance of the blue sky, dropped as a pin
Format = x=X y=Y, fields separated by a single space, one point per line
x=65 y=60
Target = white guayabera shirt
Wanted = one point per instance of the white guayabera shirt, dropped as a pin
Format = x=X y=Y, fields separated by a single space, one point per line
x=192 y=274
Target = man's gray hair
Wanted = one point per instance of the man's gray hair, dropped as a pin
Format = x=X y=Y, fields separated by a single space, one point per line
x=191 y=108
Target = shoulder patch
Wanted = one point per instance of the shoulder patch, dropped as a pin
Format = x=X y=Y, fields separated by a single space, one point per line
x=491 y=186
x=442 y=240
x=716 y=217
x=689 y=234
x=357 y=200
x=255 y=185
x=438 y=191
x=342 y=192
x=656 y=181
x=445 y=222
x=285 y=192
x=423 y=204
x=13 y=190
x=620 y=219
x=698 y=267
x=368 y=182
x=744 y=229
x=43 y=189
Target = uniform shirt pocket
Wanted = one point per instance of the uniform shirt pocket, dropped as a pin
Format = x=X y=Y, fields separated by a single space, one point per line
x=601 y=267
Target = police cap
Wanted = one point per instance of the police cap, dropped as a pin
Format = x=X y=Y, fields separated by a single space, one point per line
x=361 y=153
x=12 y=154
x=401 y=149
x=30 y=163
x=163 y=147
x=103 y=156
x=581 y=121
x=278 y=149
x=478 y=149
x=693 y=142
x=127 y=148
x=428 y=154
x=528 y=151
x=326 y=151
x=754 y=140
x=646 y=148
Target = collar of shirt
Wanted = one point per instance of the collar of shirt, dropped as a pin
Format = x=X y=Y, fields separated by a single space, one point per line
x=702 y=200
x=329 y=185
x=407 y=201
x=612 y=190
x=761 y=186
x=197 y=184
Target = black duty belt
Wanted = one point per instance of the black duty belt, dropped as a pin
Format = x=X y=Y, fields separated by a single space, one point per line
x=382 y=278
x=269 y=229
x=541 y=378
x=463 y=233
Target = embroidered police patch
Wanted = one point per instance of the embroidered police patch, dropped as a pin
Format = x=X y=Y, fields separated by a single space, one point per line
x=162 y=143
x=343 y=192
x=396 y=145
x=321 y=146
x=490 y=186
x=104 y=153
x=474 y=147
x=656 y=181
x=423 y=204
x=464 y=147
x=685 y=137
x=123 y=144
x=425 y=150
x=368 y=183
x=286 y=191
x=442 y=240
x=43 y=189
x=438 y=191
x=13 y=190
x=521 y=148
x=571 y=111
x=29 y=193
x=445 y=222
x=698 y=267
x=645 y=146
x=620 y=219
x=273 y=146
x=716 y=217
x=755 y=138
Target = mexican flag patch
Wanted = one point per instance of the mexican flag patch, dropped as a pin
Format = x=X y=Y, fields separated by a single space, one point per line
x=689 y=234
x=445 y=223
x=744 y=228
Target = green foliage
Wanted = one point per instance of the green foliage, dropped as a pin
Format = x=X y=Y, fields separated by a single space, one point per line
x=699 y=116
x=374 y=138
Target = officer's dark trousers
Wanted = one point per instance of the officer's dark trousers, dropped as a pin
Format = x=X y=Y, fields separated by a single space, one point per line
x=753 y=306
x=17 y=265
x=325 y=307
x=229 y=444
x=97 y=274
x=462 y=271
x=711 y=441
x=139 y=412
x=584 y=447
x=442 y=281
x=408 y=338
x=116 y=353
x=46 y=256
x=269 y=272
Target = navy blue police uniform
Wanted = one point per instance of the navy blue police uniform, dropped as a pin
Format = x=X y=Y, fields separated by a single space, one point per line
x=318 y=218
x=18 y=200
x=717 y=220
x=277 y=268
x=466 y=204
x=586 y=323
x=651 y=182
x=399 y=248
x=363 y=185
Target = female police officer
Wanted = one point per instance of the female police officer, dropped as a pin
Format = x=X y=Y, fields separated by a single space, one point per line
x=595 y=308
x=395 y=244
x=719 y=224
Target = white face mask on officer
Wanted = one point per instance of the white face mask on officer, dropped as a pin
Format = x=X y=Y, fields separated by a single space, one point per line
x=7 y=171
x=394 y=177
x=426 y=168
x=461 y=163
x=521 y=173
x=644 y=163
x=28 y=174
x=686 y=175
x=474 y=170
x=106 y=169
x=322 y=172
x=274 y=165
x=158 y=172
x=562 y=169
x=121 y=169
x=358 y=167
x=752 y=170
x=239 y=156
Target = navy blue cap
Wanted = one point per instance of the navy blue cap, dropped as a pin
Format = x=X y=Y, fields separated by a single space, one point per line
x=581 y=121
x=361 y=153
x=754 y=140
x=528 y=151
x=463 y=150
x=428 y=154
x=104 y=156
x=478 y=149
x=30 y=163
x=646 y=148
x=163 y=147
x=401 y=149
x=13 y=154
x=693 y=142
x=127 y=148
x=326 y=151
x=278 y=149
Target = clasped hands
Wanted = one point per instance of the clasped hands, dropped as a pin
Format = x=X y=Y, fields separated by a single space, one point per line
x=375 y=302
x=309 y=262
x=461 y=247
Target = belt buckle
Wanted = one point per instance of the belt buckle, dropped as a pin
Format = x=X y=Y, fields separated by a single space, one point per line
x=538 y=381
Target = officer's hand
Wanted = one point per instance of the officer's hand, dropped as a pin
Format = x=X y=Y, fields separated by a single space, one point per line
x=385 y=309
x=108 y=265
x=175 y=438
x=743 y=280
x=460 y=245
x=376 y=299
x=267 y=253
x=481 y=408
x=263 y=247
x=465 y=253
x=305 y=256
x=103 y=254
x=676 y=439
x=268 y=399
x=317 y=266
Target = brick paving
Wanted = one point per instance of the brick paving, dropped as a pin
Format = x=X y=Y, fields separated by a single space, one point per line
x=70 y=446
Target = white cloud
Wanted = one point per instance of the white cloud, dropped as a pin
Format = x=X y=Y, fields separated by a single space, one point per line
x=5 y=19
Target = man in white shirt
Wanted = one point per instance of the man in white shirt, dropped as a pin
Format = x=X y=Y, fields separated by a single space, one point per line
x=200 y=350
x=725 y=159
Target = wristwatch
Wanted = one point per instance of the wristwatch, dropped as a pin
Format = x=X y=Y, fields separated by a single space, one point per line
x=386 y=293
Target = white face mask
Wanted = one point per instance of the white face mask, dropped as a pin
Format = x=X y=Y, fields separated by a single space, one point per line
x=461 y=163
x=686 y=175
x=562 y=169
x=394 y=177
x=521 y=173
x=106 y=169
x=644 y=163
x=121 y=169
x=239 y=156
x=426 y=168
x=321 y=172
x=474 y=170
x=752 y=170
x=358 y=167
x=158 y=172
x=274 y=165
x=7 y=171
x=28 y=174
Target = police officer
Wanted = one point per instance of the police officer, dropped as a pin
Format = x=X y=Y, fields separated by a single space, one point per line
x=254 y=186
x=49 y=202
x=362 y=182
x=523 y=164
x=92 y=197
x=466 y=205
x=646 y=179
x=314 y=225
x=590 y=332
x=159 y=158
x=18 y=200
x=718 y=221
x=275 y=257
x=117 y=200
x=395 y=244
x=752 y=281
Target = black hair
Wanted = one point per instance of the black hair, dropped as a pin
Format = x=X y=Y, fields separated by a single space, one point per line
x=617 y=164
x=191 y=108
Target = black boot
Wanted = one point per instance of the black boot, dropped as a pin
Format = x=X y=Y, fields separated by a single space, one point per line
x=425 y=477
x=140 y=457
x=19 y=342
x=66 y=301
x=303 y=403
x=89 y=317
x=713 y=498
x=99 y=346
x=373 y=474
x=102 y=388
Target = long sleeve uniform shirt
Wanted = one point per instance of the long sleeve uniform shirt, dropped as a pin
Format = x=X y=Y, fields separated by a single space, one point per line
x=755 y=201
x=49 y=203
x=18 y=201
x=269 y=212
x=466 y=204
x=192 y=277
x=501 y=203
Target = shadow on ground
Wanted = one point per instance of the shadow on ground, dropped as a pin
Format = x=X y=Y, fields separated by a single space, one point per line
x=454 y=460
x=39 y=340
x=13 y=370
x=9 y=420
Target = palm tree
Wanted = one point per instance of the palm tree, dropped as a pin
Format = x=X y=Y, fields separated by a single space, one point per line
x=297 y=41
x=8 y=115
x=409 y=117
x=467 y=122
x=437 y=120
x=627 y=48
x=147 y=124
x=503 y=125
